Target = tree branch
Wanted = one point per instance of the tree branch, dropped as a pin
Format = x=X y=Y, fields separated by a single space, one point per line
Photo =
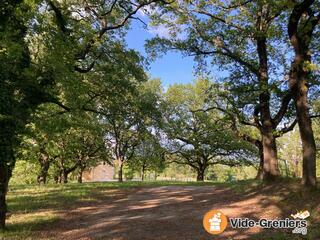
x=283 y=109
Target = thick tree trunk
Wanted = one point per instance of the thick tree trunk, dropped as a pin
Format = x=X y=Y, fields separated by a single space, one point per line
x=64 y=177
x=299 y=87
x=3 y=192
x=200 y=175
x=309 y=177
x=270 y=159
x=7 y=162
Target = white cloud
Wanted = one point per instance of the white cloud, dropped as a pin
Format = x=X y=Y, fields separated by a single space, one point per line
x=161 y=31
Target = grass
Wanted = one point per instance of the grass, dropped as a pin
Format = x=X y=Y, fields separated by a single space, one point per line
x=32 y=207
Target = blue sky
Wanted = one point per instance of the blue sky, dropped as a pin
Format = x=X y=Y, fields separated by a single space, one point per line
x=171 y=68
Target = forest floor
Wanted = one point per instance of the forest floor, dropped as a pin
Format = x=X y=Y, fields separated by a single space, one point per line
x=154 y=210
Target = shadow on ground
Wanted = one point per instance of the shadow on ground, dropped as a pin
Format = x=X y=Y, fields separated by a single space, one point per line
x=176 y=212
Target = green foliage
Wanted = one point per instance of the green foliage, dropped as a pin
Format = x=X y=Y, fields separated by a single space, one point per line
x=198 y=134
x=68 y=141
x=290 y=153
x=25 y=172
x=128 y=117
x=128 y=173
x=149 y=156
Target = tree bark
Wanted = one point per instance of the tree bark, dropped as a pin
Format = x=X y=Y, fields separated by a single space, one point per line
x=7 y=161
x=143 y=172
x=79 y=177
x=200 y=174
x=42 y=177
x=270 y=160
x=3 y=192
x=309 y=177
x=64 y=177
x=299 y=87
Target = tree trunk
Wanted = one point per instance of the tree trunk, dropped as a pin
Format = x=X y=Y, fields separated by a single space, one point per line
x=56 y=178
x=296 y=172
x=299 y=87
x=309 y=177
x=64 y=177
x=3 y=192
x=79 y=177
x=7 y=162
x=270 y=160
x=143 y=172
x=42 y=177
x=200 y=175
x=120 y=178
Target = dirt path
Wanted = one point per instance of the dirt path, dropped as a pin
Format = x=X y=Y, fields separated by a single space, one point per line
x=169 y=212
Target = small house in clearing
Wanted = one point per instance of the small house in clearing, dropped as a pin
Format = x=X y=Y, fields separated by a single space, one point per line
x=100 y=173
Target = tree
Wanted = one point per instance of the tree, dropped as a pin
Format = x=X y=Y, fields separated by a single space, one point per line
x=148 y=156
x=200 y=138
x=246 y=41
x=79 y=148
x=17 y=94
x=303 y=20
x=69 y=142
x=127 y=116
x=38 y=141
x=63 y=40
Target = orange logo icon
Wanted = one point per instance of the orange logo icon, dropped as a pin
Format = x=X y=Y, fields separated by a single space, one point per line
x=215 y=222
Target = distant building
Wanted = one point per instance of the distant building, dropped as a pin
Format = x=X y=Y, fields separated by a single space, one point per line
x=100 y=173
